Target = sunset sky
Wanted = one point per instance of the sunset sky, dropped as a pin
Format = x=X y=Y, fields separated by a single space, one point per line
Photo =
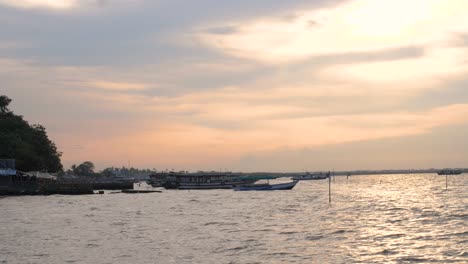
x=242 y=85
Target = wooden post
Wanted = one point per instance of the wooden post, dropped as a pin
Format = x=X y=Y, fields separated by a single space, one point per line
x=329 y=188
x=446 y=181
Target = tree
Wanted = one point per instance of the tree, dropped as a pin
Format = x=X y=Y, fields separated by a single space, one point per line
x=28 y=144
x=108 y=172
x=84 y=169
x=4 y=102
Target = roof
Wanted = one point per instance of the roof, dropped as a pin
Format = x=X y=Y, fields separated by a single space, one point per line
x=257 y=178
x=7 y=172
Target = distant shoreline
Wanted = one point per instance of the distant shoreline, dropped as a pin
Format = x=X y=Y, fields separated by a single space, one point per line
x=360 y=172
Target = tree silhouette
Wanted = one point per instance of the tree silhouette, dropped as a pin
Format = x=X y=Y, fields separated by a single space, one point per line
x=84 y=169
x=28 y=144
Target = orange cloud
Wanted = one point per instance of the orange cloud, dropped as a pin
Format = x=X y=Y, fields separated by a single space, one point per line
x=118 y=86
x=194 y=146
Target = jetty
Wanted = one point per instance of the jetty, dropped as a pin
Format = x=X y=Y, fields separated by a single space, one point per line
x=14 y=182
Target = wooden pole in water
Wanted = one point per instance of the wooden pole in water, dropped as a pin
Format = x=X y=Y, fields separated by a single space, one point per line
x=329 y=188
x=446 y=181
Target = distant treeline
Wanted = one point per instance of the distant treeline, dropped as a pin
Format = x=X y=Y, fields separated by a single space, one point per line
x=86 y=169
x=28 y=144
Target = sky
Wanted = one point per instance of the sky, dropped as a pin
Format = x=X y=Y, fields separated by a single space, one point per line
x=242 y=85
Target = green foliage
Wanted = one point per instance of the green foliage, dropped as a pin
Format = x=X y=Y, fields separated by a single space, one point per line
x=28 y=144
x=84 y=169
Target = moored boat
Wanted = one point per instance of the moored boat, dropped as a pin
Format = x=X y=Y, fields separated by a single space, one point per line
x=311 y=176
x=267 y=186
x=449 y=172
x=198 y=181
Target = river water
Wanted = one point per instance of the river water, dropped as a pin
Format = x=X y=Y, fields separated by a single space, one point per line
x=372 y=219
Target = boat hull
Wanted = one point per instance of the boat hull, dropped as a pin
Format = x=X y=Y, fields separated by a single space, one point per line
x=449 y=172
x=311 y=176
x=267 y=187
x=204 y=186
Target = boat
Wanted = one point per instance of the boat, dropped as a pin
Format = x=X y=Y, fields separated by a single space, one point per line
x=267 y=186
x=449 y=172
x=198 y=181
x=311 y=176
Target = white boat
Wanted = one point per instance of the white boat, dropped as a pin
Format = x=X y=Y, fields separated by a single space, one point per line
x=267 y=186
x=311 y=176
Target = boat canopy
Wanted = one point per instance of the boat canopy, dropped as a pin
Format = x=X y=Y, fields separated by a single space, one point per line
x=256 y=177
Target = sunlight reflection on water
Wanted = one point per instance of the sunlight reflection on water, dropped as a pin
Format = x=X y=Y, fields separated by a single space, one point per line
x=379 y=218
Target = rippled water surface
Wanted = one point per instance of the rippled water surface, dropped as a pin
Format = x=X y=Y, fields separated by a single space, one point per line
x=372 y=219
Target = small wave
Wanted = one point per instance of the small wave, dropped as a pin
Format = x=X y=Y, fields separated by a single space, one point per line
x=91 y=245
x=424 y=238
x=464 y=216
x=211 y=223
x=238 y=248
x=391 y=221
x=396 y=209
x=392 y=236
x=220 y=224
x=233 y=249
x=388 y=252
x=125 y=256
x=263 y=230
x=341 y=231
x=312 y=238
x=287 y=232
x=413 y=259
x=279 y=254
x=430 y=213
x=460 y=234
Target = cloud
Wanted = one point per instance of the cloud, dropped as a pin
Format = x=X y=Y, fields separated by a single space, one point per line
x=118 y=86
x=212 y=83
x=355 y=26
x=436 y=63
x=53 y=4
x=408 y=152
x=461 y=39
x=192 y=146
x=221 y=30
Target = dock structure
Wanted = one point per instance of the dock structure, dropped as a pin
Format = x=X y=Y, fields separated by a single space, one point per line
x=14 y=182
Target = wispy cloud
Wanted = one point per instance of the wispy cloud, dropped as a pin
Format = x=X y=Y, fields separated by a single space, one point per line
x=54 y=4
x=359 y=25
x=118 y=86
x=204 y=86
